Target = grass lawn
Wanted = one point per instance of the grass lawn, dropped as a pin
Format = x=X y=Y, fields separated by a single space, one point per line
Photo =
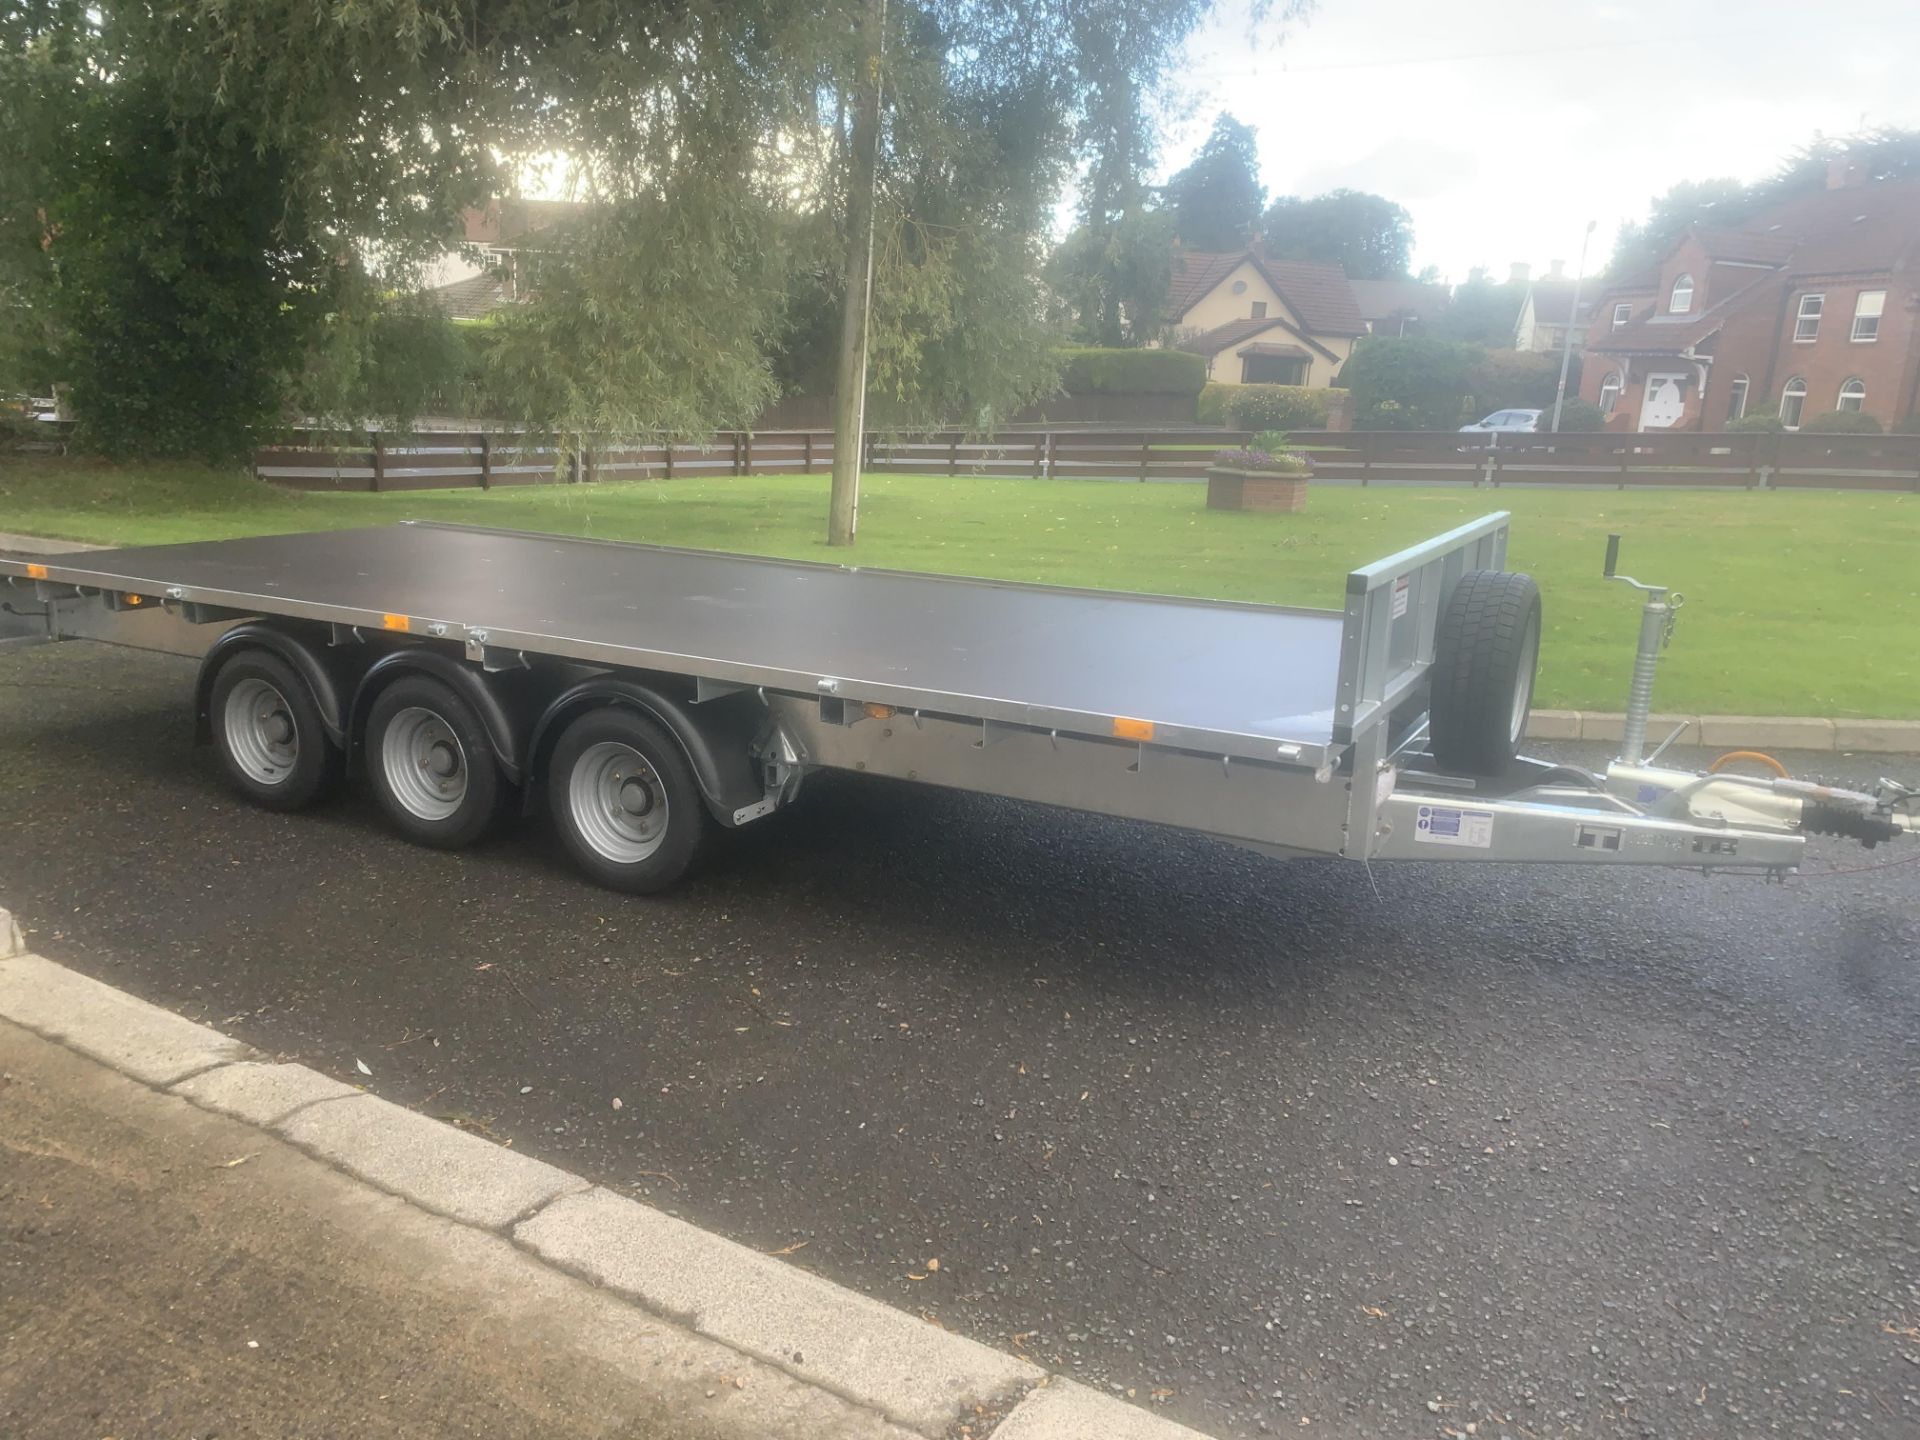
x=1797 y=604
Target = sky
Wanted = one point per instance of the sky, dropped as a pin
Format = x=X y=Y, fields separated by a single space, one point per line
x=1504 y=126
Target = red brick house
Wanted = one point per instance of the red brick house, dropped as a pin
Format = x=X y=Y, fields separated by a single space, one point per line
x=1811 y=306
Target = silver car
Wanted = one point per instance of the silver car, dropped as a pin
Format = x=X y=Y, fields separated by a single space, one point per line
x=1508 y=420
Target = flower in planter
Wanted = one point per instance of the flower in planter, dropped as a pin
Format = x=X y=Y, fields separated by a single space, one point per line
x=1284 y=462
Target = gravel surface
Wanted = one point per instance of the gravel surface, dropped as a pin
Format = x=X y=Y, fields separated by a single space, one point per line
x=1539 y=1152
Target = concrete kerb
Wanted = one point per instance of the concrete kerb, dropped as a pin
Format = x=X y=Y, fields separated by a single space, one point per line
x=1737 y=732
x=840 y=1342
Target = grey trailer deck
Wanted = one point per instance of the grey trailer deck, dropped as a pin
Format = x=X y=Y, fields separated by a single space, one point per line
x=1249 y=680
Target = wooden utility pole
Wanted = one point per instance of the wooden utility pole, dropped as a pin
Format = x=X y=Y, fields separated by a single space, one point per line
x=850 y=390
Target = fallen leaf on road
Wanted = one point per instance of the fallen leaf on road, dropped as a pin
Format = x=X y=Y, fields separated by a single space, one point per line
x=1374 y=1310
x=616 y=1102
x=790 y=1249
x=484 y=965
x=912 y=1276
x=229 y=1164
x=361 y=1066
x=933 y=1264
x=1905 y=1332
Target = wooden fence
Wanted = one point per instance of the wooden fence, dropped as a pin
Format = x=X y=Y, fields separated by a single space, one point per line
x=1751 y=461
x=443 y=460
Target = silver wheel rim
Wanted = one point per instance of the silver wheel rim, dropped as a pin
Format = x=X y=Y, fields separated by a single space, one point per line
x=617 y=802
x=1523 y=684
x=262 y=736
x=423 y=763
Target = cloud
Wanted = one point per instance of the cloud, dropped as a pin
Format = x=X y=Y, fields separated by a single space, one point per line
x=1404 y=168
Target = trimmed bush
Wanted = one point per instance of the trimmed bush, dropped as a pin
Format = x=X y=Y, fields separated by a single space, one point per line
x=1576 y=416
x=1263 y=407
x=1410 y=383
x=1762 y=419
x=1841 y=422
x=1088 y=370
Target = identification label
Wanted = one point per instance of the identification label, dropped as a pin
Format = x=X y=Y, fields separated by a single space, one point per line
x=1444 y=825
x=1402 y=588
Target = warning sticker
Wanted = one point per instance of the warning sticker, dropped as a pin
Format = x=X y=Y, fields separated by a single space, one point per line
x=1444 y=825
x=1401 y=588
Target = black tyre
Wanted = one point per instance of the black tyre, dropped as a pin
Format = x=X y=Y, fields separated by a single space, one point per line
x=431 y=763
x=267 y=730
x=1485 y=651
x=625 y=801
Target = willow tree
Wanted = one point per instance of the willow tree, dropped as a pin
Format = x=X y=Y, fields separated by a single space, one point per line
x=711 y=142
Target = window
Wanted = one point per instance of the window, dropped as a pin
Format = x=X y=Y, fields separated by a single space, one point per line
x=1866 y=315
x=1259 y=309
x=1681 y=300
x=1622 y=313
x=1806 y=325
x=1239 y=287
x=1793 y=400
x=1609 y=393
x=1853 y=395
x=1737 y=398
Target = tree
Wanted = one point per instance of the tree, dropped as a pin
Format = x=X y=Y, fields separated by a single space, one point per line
x=1409 y=383
x=1481 y=312
x=711 y=140
x=1114 y=292
x=1643 y=244
x=1369 y=237
x=1884 y=153
x=1216 y=199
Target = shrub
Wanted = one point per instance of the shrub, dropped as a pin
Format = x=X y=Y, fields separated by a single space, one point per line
x=1841 y=422
x=1271 y=441
x=1285 y=462
x=1520 y=380
x=1764 y=419
x=1263 y=407
x=1576 y=415
x=1088 y=370
x=1410 y=383
x=1908 y=425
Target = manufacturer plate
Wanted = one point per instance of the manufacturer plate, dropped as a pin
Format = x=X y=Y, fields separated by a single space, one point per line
x=1445 y=825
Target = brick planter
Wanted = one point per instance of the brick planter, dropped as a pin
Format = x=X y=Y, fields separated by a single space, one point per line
x=1255 y=490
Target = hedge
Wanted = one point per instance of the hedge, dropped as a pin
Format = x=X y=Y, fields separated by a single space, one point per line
x=1088 y=370
x=1841 y=422
x=1263 y=407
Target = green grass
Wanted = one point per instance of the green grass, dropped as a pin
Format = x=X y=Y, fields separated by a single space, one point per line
x=1796 y=603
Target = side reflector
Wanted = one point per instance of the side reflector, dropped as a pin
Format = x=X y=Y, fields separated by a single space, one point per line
x=396 y=622
x=879 y=712
x=134 y=599
x=36 y=572
x=1127 y=729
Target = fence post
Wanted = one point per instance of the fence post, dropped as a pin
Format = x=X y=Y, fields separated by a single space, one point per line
x=1146 y=453
x=379 y=460
x=1053 y=455
x=573 y=465
x=1039 y=456
x=486 y=461
x=1489 y=465
x=806 y=452
x=1366 y=456
x=746 y=452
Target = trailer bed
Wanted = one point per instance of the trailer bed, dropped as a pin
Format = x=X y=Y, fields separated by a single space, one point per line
x=1248 y=680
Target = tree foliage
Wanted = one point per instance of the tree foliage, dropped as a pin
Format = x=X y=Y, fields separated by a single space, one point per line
x=1482 y=312
x=1112 y=289
x=1882 y=153
x=1411 y=383
x=1216 y=198
x=1368 y=236
x=706 y=138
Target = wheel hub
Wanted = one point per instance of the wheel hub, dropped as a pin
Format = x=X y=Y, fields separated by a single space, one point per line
x=261 y=736
x=423 y=764
x=616 y=800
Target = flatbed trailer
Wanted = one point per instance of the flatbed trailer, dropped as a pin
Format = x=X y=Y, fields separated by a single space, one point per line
x=654 y=694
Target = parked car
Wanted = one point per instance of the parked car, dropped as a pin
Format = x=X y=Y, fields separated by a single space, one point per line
x=1509 y=420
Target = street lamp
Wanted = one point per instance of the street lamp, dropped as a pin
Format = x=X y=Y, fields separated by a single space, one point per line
x=1573 y=319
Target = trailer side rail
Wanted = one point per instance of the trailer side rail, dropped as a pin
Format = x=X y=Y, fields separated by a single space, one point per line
x=1392 y=610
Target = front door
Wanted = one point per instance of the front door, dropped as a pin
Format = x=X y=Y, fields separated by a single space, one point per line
x=1663 y=405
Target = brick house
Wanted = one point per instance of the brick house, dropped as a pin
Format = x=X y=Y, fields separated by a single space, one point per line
x=1813 y=305
x=1260 y=321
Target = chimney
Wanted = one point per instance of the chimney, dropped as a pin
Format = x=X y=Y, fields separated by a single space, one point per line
x=1557 y=270
x=1519 y=272
x=1843 y=173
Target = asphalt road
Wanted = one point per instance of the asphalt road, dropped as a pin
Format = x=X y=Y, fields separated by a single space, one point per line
x=1548 y=1152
